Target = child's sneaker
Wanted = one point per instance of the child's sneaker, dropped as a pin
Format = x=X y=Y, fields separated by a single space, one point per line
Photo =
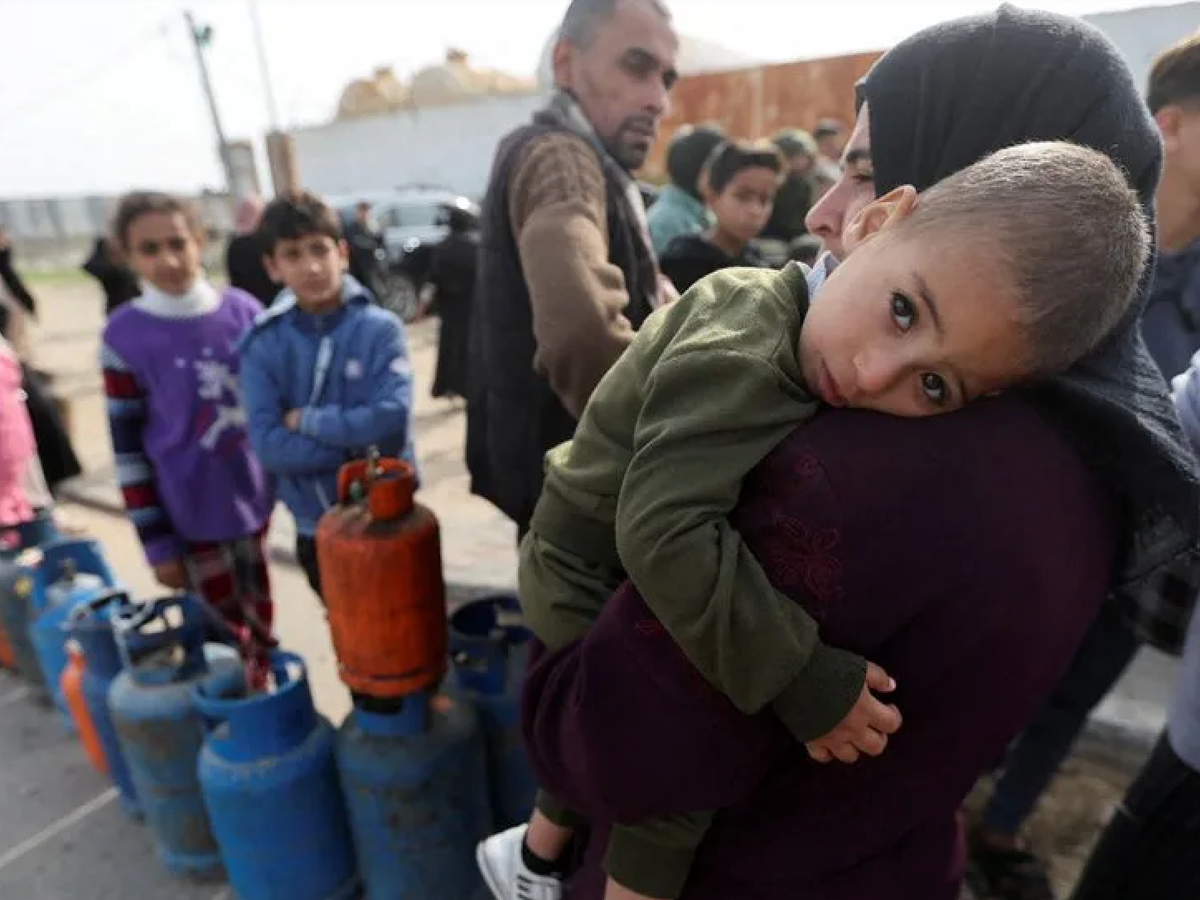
x=505 y=872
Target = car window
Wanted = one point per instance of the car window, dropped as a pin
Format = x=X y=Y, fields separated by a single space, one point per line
x=413 y=215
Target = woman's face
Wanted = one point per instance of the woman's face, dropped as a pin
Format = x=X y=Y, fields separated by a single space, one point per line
x=853 y=190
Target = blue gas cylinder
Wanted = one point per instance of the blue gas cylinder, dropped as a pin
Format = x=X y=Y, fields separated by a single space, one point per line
x=16 y=593
x=161 y=733
x=71 y=573
x=416 y=792
x=91 y=627
x=489 y=647
x=270 y=784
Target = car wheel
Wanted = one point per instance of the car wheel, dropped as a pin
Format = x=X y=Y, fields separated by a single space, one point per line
x=398 y=294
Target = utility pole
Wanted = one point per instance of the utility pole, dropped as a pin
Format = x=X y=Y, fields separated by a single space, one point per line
x=264 y=67
x=201 y=37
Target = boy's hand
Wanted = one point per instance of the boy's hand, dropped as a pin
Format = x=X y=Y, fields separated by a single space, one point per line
x=171 y=574
x=867 y=726
x=291 y=420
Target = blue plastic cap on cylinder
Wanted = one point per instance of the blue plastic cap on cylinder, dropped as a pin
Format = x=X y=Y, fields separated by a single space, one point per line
x=243 y=728
x=481 y=633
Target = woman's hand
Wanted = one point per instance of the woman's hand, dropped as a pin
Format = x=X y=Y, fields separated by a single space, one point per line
x=171 y=574
x=867 y=726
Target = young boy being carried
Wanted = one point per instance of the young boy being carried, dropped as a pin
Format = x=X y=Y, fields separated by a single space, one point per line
x=325 y=372
x=1004 y=273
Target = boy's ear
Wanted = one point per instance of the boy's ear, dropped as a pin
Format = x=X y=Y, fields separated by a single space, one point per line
x=343 y=251
x=272 y=270
x=879 y=215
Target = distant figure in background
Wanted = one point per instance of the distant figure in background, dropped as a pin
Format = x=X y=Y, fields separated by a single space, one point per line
x=830 y=136
x=680 y=207
x=739 y=185
x=244 y=255
x=12 y=281
x=365 y=242
x=795 y=196
x=451 y=286
x=117 y=280
x=806 y=249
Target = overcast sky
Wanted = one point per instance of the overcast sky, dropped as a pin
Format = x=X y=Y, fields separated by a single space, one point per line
x=97 y=96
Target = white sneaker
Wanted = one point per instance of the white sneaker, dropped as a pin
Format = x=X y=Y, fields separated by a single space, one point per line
x=504 y=871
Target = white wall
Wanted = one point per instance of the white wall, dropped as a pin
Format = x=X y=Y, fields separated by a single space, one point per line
x=450 y=146
x=1141 y=34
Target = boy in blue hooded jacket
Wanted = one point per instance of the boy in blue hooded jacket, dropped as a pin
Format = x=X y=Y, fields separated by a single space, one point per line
x=325 y=372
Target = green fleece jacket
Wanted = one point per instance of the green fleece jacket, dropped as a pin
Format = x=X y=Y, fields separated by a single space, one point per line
x=709 y=386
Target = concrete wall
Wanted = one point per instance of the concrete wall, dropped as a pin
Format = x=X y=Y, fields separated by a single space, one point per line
x=449 y=146
x=56 y=232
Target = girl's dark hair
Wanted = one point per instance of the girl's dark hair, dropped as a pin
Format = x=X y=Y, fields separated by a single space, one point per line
x=136 y=204
x=732 y=157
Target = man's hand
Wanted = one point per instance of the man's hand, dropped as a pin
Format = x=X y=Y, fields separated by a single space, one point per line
x=867 y=726
x=291 y=420
x=172 y=574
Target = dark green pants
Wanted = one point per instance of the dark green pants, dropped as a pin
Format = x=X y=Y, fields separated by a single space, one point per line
x=652 y=858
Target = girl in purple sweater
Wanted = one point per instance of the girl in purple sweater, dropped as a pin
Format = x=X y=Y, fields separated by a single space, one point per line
x=194 y=490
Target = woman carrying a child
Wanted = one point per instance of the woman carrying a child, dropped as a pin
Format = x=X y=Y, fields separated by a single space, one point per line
x=967 y=554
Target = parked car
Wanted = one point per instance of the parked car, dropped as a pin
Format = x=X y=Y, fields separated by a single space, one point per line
x=412 y=219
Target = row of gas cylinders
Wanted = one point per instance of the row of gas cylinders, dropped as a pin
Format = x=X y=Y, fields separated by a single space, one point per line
x=256 y=785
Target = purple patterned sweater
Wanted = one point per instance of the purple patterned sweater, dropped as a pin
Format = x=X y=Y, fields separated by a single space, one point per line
x=967 y=554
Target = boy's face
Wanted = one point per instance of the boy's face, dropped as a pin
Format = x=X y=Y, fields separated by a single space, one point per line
x=312 y=266
x=744 y=206
x=1180 y=128
x=911 y=325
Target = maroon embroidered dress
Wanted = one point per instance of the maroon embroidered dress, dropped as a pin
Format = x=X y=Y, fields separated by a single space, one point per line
x=967 y=554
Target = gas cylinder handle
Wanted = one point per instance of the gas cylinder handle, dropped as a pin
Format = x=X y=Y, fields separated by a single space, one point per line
x=89 y=609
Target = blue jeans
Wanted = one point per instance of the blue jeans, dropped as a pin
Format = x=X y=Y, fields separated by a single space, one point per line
x=1034 y=757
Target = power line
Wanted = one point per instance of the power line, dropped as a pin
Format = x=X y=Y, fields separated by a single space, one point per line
x=87 y=73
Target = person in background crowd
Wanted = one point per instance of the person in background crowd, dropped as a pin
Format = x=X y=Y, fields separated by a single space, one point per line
x=25 y=500
x=1171 y=323
x=452 y=288
x=244 y=257
x=566 y=268
x=1148 y=850
x=805 y=249
x=11 y=279
x=795 y=195
x=325 y=372
x=680 y=208
x=1005 y=866
x=830 y=137
x=365 y=243
x=117 y=280
x=1092 y=468
x=57 y=460
x=740 y=182
x=195 y=492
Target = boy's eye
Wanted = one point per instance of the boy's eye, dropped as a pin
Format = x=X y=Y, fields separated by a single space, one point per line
x=935 y=389
x=177 y=244
x=147 y=248
x=903 y=312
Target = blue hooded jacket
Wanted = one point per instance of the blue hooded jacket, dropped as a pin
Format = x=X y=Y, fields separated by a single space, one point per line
x=348 y=372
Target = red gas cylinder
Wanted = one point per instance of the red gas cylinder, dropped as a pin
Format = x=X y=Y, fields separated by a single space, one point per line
x=381 y=573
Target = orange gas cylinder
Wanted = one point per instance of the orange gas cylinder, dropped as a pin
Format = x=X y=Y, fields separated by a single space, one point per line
x=380 y=558
x=7 y=660
x=71 y=683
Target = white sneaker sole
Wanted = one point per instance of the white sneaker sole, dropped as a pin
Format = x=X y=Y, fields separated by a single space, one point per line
x=490 y=878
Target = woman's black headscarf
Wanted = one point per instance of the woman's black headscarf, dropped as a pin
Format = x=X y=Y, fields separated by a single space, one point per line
x=956 y=92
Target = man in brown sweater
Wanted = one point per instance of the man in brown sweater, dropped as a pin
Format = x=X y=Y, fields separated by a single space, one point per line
x=567 y=273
